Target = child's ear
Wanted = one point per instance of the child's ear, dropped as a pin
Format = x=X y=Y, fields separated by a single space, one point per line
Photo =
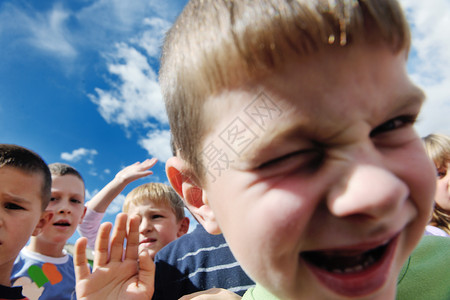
x=82 y=217
x=46 y=216
x=194 y=196
x=184 y=227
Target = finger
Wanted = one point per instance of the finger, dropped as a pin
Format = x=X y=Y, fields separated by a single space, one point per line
x=118 y=237
x=80 y=262
x=133 y=238
x=150 y=162
x=147 y=272
x=102 y=245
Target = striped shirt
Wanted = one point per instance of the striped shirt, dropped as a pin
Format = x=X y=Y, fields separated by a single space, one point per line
x=197 y=261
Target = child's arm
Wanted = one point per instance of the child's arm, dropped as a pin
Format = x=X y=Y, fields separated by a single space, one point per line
x=100 y=202
x=115 y=275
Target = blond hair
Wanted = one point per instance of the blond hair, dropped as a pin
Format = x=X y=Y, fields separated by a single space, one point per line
x=219 y=44
x=437 y=147
x=157 y=193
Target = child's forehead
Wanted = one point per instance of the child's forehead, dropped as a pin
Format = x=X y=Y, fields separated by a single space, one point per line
x=20 y=184
x=67 y=183
x=317 y=98
x=149 y=205
x=67 y=177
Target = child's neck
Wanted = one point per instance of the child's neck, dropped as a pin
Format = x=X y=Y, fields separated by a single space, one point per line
x=46 y=248
x=5 y=273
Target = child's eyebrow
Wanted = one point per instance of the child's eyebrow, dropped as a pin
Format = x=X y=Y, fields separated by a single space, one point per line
x=15 y=198
x=273 y=136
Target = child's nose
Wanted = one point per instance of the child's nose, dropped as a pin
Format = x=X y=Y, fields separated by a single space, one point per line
x=370 y=191
x=145 y=226
x=63 y=209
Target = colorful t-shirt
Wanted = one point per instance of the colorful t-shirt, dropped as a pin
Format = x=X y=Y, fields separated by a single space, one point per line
x=43 y=277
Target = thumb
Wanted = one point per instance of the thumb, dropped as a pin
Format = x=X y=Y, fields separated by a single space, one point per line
x=147 y=272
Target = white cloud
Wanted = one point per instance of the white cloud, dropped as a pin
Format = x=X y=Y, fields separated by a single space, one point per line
x=116 y=15
x=157 y=144
x=429 y=64
x=116 y=205
x=46 y=31
x=51 y=33
x=136 y=96
x=89 y=195
x=151 y=39
x=107 y=171
x=79 y=154
x=93 y=172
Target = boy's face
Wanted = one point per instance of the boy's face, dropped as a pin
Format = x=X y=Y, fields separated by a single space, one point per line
x=158 y=227
x=67 y=204
x=20 y=212
x=443 y=188
x=326 y=189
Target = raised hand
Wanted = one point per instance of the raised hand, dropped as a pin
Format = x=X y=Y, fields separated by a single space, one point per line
x=136 y=171
x=101 y=201
x=116 y=275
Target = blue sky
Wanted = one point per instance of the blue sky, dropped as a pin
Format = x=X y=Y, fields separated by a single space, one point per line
x=78 y=81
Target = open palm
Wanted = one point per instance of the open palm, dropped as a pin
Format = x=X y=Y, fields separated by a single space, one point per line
x=115 y=275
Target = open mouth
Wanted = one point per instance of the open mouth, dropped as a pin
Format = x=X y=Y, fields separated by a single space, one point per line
x=62 y=223
x=344 y=262
x=352 y=272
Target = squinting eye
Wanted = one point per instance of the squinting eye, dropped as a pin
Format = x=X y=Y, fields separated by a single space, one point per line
x=52 y=199
x=13 y=206
x=156 y=216
x=306 y=160
x=393 y=124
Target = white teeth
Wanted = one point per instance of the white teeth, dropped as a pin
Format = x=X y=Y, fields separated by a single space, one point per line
x=358 y=268
x=370 y=260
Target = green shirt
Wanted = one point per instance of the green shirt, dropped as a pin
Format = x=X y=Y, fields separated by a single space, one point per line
x=258 y=292
x=426 y=274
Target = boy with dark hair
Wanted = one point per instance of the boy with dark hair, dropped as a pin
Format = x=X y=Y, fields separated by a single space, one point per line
x=46 y=250
x=24 y=194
